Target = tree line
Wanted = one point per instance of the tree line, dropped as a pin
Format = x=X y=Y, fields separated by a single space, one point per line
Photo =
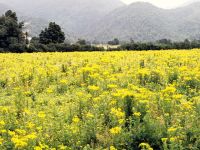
x=52 y=38
x=163 y=44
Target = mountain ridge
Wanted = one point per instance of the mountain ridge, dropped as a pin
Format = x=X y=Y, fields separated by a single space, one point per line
x=146 y=22
x=99 y=21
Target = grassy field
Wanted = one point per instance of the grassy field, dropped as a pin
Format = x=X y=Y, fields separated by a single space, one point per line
x=100 y=100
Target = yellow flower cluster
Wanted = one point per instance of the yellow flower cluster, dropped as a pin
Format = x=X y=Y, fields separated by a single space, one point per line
x=93 y=88
x=117 y=112
x=100 y=100
x=115 y=130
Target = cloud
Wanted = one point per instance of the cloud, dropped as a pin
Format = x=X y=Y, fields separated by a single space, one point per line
x=163 y=3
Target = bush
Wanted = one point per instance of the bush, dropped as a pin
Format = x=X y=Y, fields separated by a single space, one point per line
x=32 y=48
x=2 y=50
x=41 y=47
x=17 y=48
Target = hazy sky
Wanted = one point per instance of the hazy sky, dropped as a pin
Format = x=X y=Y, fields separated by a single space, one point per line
x=164 y=3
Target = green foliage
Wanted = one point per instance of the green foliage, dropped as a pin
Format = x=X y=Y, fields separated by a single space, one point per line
x=52 y=34
x=11 y=35
x=81 y=45
x=81 y=42
x=114 y=42
x=163 y=44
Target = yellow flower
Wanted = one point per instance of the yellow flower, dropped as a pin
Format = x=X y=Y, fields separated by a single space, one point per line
x=187 y=78
x=89 y=115
x=112 y=148
x=113 y=102
x=18 y=142
x=74 y=129
x=31 y=136
x=115 y=130
x=137 y=114
x=177 y=96
x=80 y=94
x=145 y=146
x=117 y=112
x=3 y=131
x=187 y=105
x=172 y=139
x=20 y=131
x=169 y=90
x=96 y=99
x=37 y=148
x=41 y=114
x=95 y=75
x=121 y=121
x=47 y=135
x=27 y=93
x=49 y=90
x=62 y=147
x=76 y=119
x=43 y=146
x=143 y=72
x=112 y=86
x=2 y=123
x=117 y=94
x=164 y=140
x=11 y=133
x=30 y=125
x=39 y=128
x=93 y=88
x=1 y=141
x=63 y=81
x=172 y=129
x=28 y=112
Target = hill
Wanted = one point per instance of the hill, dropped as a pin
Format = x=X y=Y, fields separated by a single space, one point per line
x=75 y=16
x=145 y=22
x=107 y=19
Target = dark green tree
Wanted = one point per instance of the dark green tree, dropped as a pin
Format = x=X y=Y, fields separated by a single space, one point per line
x=164 y=41
x=11 y=35
x=114 y=42
x=52 y=34
x=11 y=14
x=81 y=42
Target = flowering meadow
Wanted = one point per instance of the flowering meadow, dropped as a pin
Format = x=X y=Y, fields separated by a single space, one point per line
x=100 y=100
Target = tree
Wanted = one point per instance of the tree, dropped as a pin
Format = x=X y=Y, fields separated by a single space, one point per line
x=186 y=44
x=164 y=41
x=11 y=14
x=11 y=34
x=81 y=42
x=52 y=34
x=114 y=42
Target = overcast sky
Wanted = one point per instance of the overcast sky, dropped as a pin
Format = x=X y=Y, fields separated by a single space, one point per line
x=164 y=3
